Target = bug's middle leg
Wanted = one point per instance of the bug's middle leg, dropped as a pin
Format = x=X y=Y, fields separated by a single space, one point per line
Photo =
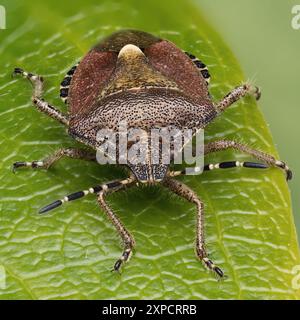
x=184 y=191
x=37 y=82
x=236 y=94
x=127 y=238
x=64 y=152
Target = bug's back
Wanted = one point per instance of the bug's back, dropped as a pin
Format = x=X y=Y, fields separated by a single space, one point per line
x=142 y=80
x=97 y=67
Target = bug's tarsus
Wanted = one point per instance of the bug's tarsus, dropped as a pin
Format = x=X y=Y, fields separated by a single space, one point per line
x=17 y=71
x=288 y=171
x=32 y=164
x=236 y=94
x=16 y=165
x=289 y=175
x=43 y=106
x=215 y=269
x=257 y=93
x=124 y=258
x=219 y=274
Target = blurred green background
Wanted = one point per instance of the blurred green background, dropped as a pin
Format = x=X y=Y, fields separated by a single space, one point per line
x=267 y=47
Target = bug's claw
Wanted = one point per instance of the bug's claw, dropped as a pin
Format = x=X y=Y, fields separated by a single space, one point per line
x=18 y=164
x=289 y=174
x=13 y=168
x=219 y=273
x=123 y=259
x=257 y=93
x=17 y=71
x=215 y=269
x=288 y=171
x=117 y=266
x=221 y=278
x=28 y=75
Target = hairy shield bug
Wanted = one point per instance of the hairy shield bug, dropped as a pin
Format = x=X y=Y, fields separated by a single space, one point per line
x=148 y=82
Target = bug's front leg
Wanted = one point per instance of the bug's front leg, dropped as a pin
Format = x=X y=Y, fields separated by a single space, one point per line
x=65 y=152
x=43 y=106
x=126 y=237
x=267 y=158
x=236 y=94
x=184 y=191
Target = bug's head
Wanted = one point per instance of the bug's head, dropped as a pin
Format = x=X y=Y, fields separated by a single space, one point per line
x=149 y=174
x=145 y=157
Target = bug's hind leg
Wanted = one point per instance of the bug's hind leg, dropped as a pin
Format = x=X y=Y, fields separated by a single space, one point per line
x=184 y=191
x=43 y=106
x=267 y=158
x=236 y=94
x=127 y=238
x=65 y=152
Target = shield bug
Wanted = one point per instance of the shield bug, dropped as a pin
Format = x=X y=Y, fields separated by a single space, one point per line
x=148 y=82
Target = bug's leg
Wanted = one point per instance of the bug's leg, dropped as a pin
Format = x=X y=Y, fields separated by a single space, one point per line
x=184 y=191
x=43 y=106
x=267 y=158
x=65 y=152
x=127 y=238
x=236 y=94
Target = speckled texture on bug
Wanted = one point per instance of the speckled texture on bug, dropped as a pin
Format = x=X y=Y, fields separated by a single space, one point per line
x=150 y=84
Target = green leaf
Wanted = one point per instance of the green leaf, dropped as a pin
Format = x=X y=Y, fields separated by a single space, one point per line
x=69 y=252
